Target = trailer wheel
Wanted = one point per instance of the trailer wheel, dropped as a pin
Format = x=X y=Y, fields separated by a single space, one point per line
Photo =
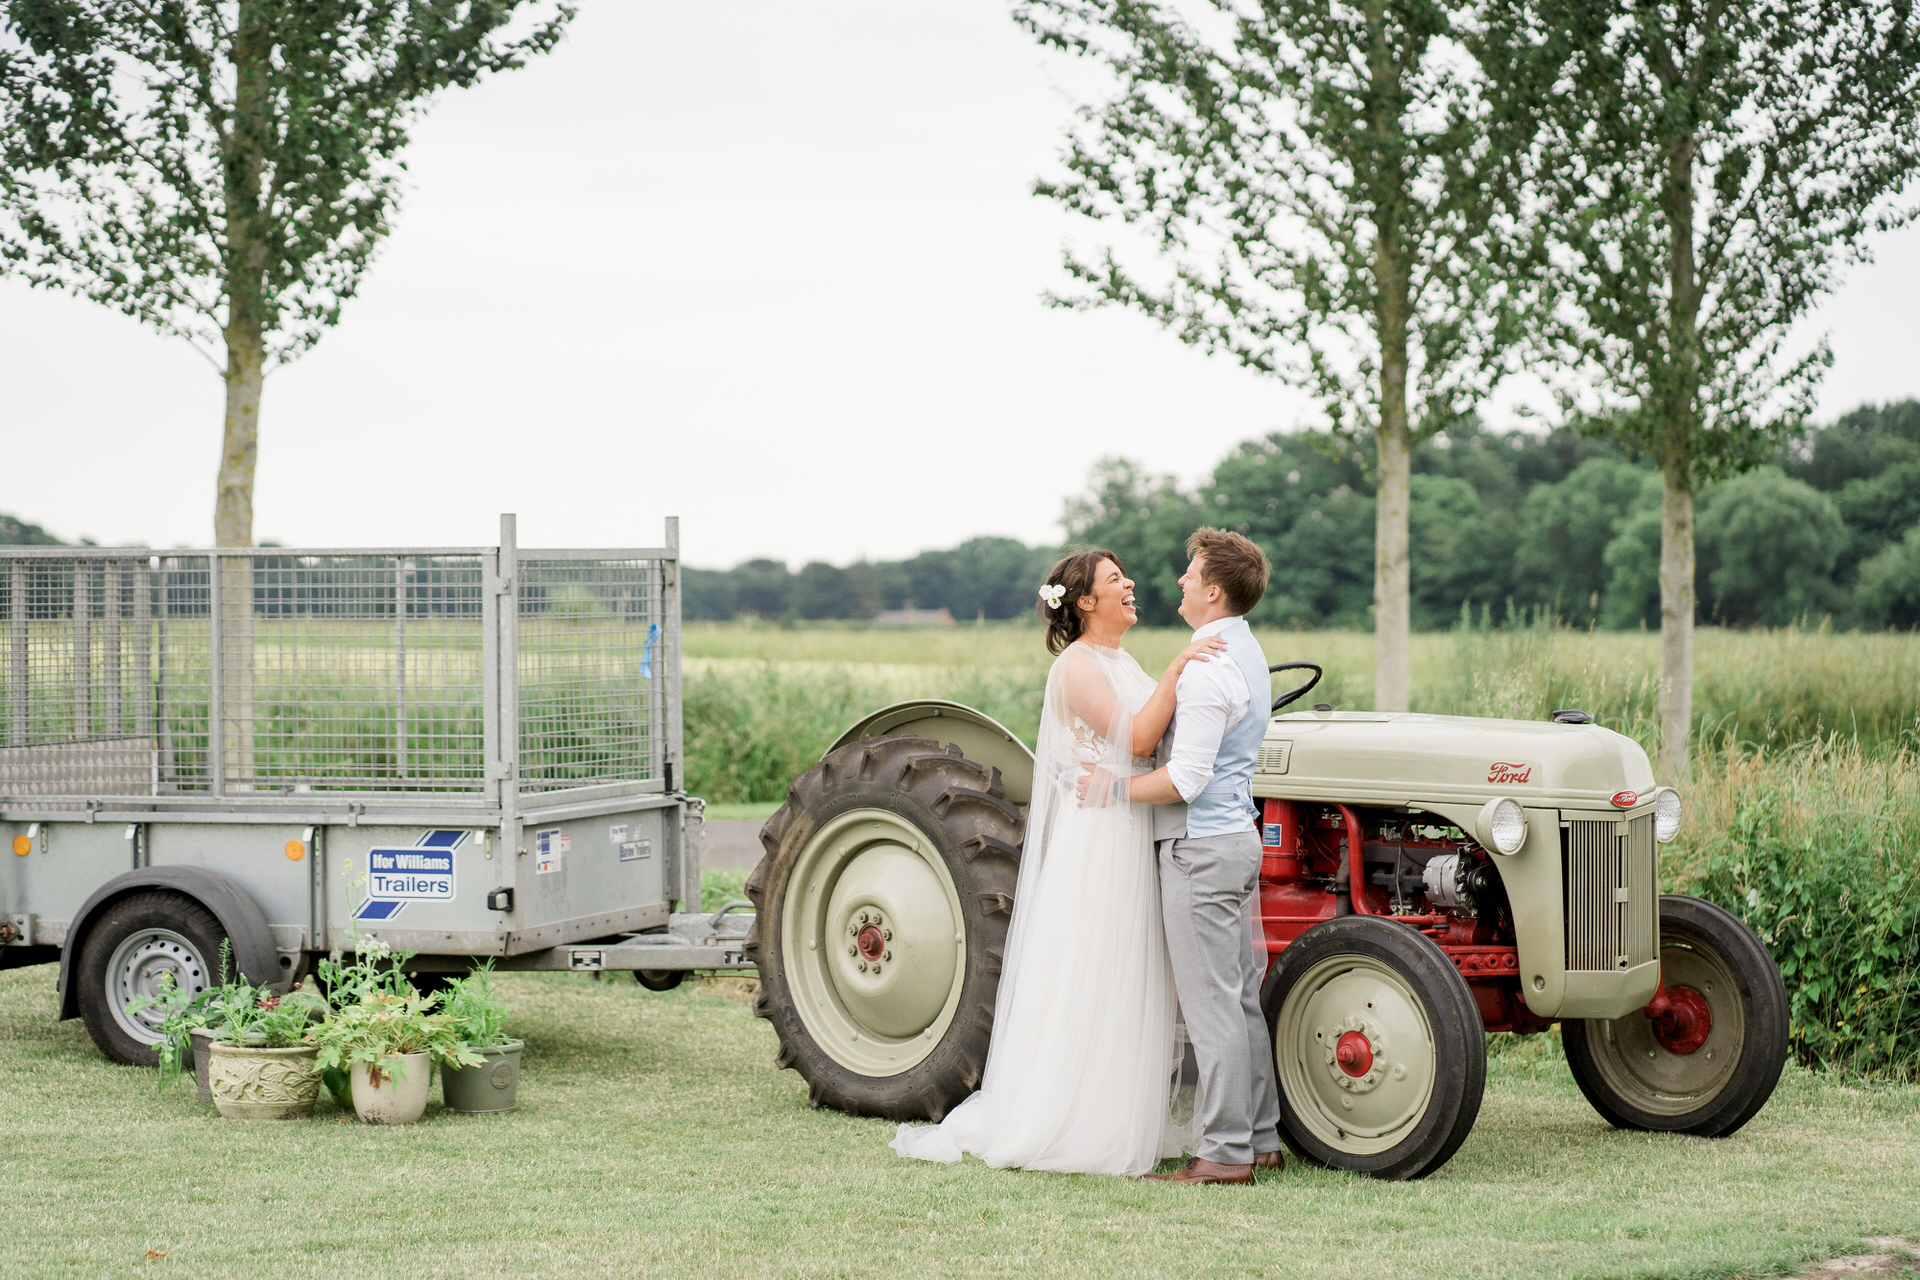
x=1378 y=1048
x=132 y=945
x=881 y=910
x=659 y=979
x=1710 y=1071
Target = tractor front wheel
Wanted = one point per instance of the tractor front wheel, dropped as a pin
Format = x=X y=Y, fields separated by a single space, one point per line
x=1378 y=1048
x=1707 y=1068
x=881 y=911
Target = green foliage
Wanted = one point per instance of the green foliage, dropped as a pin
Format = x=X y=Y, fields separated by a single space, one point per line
x=1767 y=548
x=200 y=164
x=1316 y=180
x=375 y=1017
x=719 y=886
x=1565 y=530
x=236 y=1011
x=1890 y=584
x=1699 y=197
x=476 y=1008
x=1816 y=853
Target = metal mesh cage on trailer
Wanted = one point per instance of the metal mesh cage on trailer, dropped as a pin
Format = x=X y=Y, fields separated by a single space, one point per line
x=427 y=672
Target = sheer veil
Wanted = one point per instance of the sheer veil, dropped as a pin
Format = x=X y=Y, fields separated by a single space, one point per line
x=1082 y=1071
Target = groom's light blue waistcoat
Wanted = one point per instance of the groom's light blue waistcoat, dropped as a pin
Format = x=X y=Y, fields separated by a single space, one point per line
x=1225 y=805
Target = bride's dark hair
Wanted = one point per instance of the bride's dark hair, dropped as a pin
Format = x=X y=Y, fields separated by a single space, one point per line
x=1075 y=573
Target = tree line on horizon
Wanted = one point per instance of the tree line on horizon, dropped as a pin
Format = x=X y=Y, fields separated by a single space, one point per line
x=1563 y=522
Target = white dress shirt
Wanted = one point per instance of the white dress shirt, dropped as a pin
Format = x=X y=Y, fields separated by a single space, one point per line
x=1211 y=698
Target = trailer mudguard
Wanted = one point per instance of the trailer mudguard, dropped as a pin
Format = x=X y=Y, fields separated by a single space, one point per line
x=239 y=915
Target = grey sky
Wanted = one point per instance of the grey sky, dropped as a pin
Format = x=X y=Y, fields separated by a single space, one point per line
x=771 y=267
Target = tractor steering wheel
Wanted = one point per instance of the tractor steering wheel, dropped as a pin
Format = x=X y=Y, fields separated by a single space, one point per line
x=1296 y=694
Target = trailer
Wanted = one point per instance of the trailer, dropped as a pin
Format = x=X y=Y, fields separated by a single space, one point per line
x=465 y=752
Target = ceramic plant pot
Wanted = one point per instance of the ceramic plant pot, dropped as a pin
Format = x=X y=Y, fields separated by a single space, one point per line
x=263 y=1084
x=201 y=1038
x=393 y=1101
x=492 y=1086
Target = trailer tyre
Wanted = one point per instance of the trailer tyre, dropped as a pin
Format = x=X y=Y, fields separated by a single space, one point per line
x=881 y=911
x=132 y=946
x=1706 y=1080
x=659 y=979
x=1378 y=1048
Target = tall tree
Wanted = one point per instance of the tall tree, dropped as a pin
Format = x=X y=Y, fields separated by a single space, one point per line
x=1704 y=167
x=1325 y=190
x=223 y=170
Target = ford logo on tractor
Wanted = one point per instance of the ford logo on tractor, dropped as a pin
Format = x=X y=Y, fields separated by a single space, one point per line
x=1502 y=773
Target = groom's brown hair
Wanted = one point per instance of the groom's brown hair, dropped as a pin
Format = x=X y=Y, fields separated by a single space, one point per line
x=1232 y=562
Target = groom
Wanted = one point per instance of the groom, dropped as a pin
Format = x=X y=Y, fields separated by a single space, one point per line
x=1209 y=853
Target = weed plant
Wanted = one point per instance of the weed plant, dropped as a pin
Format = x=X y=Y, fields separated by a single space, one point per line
x=1815 y=847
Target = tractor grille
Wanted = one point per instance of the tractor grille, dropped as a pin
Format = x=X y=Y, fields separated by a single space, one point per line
x=1612 y=892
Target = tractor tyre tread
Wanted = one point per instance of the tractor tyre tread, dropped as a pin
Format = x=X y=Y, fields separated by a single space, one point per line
x=1460 y=1044
x=962 y=808
x=1763 y=994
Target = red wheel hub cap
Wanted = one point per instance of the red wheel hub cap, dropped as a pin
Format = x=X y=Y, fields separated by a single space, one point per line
x=1354 y=1054
x=871 y=942
x=1681 y=1020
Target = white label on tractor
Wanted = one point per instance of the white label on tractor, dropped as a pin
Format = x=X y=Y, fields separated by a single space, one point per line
x=617 y=834
x=399 y=874
x=548 y=845
x=634 y=850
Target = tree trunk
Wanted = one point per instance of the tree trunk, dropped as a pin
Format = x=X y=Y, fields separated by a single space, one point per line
x=233 y=498
x=1391 y=625
x=1676 y=625
x=1677 y=395
x=1392 y=680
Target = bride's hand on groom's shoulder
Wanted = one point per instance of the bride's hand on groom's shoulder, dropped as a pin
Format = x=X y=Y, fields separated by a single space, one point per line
x=1200 y=650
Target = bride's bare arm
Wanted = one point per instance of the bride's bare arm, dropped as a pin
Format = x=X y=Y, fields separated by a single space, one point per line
x=1088 y=693
x=1151 y=720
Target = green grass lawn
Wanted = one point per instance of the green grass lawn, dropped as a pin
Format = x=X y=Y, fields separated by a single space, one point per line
x=655 y=1137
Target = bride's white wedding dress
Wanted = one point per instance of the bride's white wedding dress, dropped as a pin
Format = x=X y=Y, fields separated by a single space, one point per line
x=1082 y=1069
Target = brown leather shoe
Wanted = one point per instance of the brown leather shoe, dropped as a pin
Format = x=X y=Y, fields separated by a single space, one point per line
x=1198 y=1170
x=1269 y=1160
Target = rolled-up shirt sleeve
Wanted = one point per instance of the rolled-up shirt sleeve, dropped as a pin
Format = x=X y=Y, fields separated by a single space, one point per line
x=1211 y=698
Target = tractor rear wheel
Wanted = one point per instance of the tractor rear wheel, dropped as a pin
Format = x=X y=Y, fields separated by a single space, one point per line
x=1710 y=1070
x=881 y=911
x=1378 y=1048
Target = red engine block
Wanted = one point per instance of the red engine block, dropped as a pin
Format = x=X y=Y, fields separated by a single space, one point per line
x=1307 y=847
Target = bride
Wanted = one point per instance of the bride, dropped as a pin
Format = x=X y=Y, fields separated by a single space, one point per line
x=1081 y=1074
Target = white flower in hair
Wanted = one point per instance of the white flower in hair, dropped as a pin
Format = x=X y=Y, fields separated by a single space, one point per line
x=1052 y=594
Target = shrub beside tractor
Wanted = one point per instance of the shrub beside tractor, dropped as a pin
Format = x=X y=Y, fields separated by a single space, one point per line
x=1426 y=879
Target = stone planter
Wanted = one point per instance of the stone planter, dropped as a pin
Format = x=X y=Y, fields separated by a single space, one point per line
x=201 y=1038
x=393 y=1101
x=491 y=1087
x=263 y=1084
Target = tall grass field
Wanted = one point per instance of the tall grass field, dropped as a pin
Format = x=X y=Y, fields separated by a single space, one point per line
x=1803 y=802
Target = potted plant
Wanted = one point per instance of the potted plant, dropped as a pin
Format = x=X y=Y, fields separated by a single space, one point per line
x=480 y=1016
x=384 y=1035
x=253 y=1041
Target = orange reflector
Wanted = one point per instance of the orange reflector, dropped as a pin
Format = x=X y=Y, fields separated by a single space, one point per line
x=22 y=846
x=296 y=850
x=1625 y=799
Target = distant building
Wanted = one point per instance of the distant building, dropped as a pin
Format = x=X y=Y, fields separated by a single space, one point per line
x=913 y=618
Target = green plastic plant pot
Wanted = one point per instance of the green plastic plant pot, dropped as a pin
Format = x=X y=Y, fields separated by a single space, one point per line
x=263 y=1084
x=493 y=1086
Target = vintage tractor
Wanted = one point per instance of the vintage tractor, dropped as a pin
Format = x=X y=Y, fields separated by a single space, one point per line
x=1426 y=879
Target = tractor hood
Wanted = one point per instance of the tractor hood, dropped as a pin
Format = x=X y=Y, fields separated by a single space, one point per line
x=1404 y=758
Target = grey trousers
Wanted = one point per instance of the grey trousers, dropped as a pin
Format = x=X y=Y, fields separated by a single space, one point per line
x=1205 y=888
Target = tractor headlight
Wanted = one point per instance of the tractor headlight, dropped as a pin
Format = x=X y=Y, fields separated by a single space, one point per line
x=1666 y=815
x=1503 y=826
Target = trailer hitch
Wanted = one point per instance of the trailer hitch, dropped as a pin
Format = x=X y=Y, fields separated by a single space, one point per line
x=1681 y=1020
